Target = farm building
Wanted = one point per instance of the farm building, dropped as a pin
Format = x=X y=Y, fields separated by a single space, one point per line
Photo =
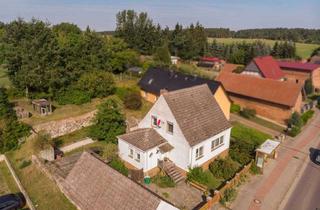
x=265 y=67
x=272 y=99
x=158 y=80
x=300 y=72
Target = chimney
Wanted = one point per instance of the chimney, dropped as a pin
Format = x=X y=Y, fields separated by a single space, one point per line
x=163 y=91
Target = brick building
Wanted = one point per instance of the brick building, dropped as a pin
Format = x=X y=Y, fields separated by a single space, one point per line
x=300 y=72
x=272 y=99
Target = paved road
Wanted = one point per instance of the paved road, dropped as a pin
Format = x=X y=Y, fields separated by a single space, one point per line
x=306 y=194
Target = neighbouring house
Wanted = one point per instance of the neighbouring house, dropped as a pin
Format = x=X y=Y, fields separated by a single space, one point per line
x=272 y=99
x=174 y=60
x=158 y=80
x=264 y=67
x=184 y=129
x=300 y=72
x=91 y=184
x=211 y=62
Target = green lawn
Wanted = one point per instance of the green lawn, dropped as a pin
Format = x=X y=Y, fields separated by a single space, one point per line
x=303 y=50
x=242 y=132
x=43 y=192
x=72 y=137
x=7 y=183
x=267 y=124
x=4 y=79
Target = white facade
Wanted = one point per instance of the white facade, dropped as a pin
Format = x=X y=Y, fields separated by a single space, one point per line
x=165 y=206
x=182 y=154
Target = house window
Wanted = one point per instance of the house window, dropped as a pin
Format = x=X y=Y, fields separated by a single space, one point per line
x=154 y=120
x=217 y=143
x=297 y=81
x=199 y=153
x=131 y=153
x=170 y=127
x=138 y=157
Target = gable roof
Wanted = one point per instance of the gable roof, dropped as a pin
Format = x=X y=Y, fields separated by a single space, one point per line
x=315 y=59
x=269 y=67
x=157 y=79
x=143 y=138
x=307 y=67
x=197 y=113
x=92 y=184
x=279 y=92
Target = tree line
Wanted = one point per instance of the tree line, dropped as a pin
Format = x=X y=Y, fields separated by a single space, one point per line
x=291 y=34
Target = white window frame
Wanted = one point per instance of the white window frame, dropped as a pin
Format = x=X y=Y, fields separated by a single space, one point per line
x=199 y=153
x=216 y=143
x=153 y=117
x=131 y=153
x=138 y=157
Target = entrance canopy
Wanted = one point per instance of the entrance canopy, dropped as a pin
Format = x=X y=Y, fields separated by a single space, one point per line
x=268 y=147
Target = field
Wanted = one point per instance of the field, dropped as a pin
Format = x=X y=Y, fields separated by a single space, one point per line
x=7 y=183
x=4 y=80
x=303 y=50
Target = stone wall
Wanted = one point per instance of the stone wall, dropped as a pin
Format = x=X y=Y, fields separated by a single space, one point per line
x=65 y=126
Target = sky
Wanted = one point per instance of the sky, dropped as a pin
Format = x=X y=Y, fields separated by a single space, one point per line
x=233 y=14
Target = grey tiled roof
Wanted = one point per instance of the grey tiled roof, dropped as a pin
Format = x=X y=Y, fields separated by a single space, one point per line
x=197 y=113
x=143 y=138
x=91 y=184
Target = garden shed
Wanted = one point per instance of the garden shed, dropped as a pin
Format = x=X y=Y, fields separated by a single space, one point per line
x=42 y=106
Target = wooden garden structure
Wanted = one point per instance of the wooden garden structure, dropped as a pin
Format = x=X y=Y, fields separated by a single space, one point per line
x=42 y=106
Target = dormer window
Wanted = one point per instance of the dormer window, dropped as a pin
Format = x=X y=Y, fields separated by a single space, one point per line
x=170 y=127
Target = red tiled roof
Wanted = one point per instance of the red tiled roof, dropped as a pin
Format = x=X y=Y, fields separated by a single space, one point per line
x=269 y=67
x=279 y=92
x=298 y=66
x=210 y=59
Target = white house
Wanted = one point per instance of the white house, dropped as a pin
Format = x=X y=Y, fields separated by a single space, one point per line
x=185 y=127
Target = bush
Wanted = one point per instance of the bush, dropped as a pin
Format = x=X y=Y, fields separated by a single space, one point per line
x=239 y=70
x=248 y=113
x=203 y=177
x=241 y=151
x=295 y=120
x=42 y=141
x=25 y=163
x=235 y=108
x=305 y=117
x=224 y=168
x=228 y=196
x=254 y=169
x=163 y=181
x=308 y=86
x=108 y=122
x=133 y=101
x=294 y=131
x=118 y=165
x=72 y=96
x=96 y=84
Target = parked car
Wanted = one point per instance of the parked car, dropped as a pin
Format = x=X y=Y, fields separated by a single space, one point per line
x=12 y=201
x=317 y=157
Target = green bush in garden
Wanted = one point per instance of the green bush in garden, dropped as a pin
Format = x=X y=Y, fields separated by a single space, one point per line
x=248 y=113
x=203 y=177
x=235 y=108
x=224 y=168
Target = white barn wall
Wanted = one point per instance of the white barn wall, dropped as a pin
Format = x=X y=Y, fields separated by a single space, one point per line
x=208 y=154
x=180 y=154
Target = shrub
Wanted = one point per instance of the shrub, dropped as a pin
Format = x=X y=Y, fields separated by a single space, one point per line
x=203 y=177
x=308 y=86
x=25 y=163
x=133 y=101
x=108 y=122
x=254 y=169
x=238 y=70
x=295 y=120
x=42 y=141
x=163 y=181
x=118 y=165
x=96 y=84
x=248 y=113
x=235 y=108
x=241 y=151
x=72 y=96
x=228 y=196
x=224 y=168
x=294 y=131
x=305 y=117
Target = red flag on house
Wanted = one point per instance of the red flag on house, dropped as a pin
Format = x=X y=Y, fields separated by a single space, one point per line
x=158 y=122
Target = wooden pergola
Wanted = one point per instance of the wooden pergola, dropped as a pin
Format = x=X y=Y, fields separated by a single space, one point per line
x=42 y=106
